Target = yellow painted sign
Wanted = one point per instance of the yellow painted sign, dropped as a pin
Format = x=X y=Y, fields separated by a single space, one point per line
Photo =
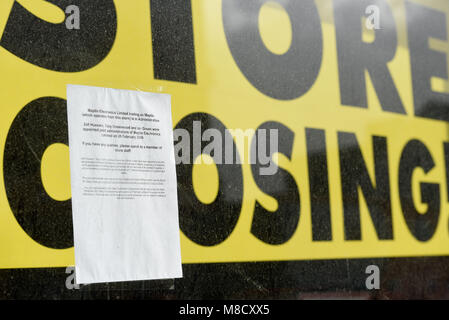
x=357 y=90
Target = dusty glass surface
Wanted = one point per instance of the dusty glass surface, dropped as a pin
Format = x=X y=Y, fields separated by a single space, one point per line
x=350 y=98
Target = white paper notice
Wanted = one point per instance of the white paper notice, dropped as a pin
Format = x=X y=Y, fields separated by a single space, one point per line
x=124 y=193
